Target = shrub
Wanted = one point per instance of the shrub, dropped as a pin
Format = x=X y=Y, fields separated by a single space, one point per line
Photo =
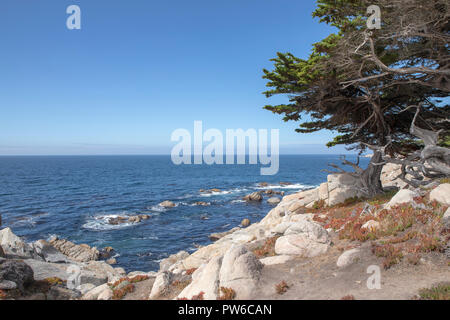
x=268 y=249
x=439 y=292
x=227 y=294
x=282 y=287
x=190 y=271
x=120 y=293
x=348 y=297
x=391 y=254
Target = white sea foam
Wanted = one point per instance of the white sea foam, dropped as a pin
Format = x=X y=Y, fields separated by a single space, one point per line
x=278 y=186
x=101 y=222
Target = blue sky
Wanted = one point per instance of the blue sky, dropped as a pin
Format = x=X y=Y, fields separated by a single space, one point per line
x=137 y=70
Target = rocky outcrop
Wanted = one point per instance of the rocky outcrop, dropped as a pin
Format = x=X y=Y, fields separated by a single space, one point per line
x=220 y=235
x=15 y=274
x=205 y=279
x=237 y=269
x=15 y=247
x=441 y=194
x=160 y=286
x=165 y=264
x=79 y=253
x=49 y=253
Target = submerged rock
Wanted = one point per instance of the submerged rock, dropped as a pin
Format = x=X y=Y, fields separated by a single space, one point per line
x=255 y=196
x=167 y=204
x=245 y=223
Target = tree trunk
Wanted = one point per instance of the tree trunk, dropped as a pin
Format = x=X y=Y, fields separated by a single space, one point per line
x=370 y=178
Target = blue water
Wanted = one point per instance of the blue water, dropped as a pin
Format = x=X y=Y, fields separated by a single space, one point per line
x=70 y=196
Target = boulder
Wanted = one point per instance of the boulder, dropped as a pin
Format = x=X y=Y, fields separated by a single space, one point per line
x=245 y=223
x=160 y=286
x=240 y=271
x=95 y=278
x=15 y=271
x=255 y=196
x=15 y=247
x=49 y=253
x=205 y=279
x=43 y=270
x=342 y=186
x=106 y=294
x=441 y=194
x=348 y=257
x=402 y=197
x=304 y=238
x=167 y=204
x=79 y=253
x=274 y=200
x=390 y=176
x=94 y=293
x=98 y=271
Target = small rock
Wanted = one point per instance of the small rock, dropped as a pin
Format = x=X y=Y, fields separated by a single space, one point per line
x=371 y=225
x=348 y=257
x=202 y=203
x=7 y=285
x=167 y=204
x=111 y=261
x=134 y=219
x=59 y=293
x=255 y=196
x=245 y=223
x=166 y=263
x=274 y=200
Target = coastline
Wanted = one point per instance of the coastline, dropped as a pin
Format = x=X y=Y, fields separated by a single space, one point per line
x=295 y=232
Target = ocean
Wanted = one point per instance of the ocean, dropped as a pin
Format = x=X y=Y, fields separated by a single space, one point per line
x=74 y=196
